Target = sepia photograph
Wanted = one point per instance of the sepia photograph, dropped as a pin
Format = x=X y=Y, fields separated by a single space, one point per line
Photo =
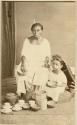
x=38 y=62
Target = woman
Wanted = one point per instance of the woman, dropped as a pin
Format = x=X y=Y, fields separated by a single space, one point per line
x=35 y=50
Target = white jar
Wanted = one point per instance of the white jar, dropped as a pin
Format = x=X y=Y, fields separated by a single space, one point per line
x=43 y=101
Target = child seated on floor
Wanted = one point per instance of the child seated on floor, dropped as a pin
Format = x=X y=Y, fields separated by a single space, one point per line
x=57 y=80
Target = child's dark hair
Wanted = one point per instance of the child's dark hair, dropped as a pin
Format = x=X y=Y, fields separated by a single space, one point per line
x=36 y=24
x=58 y=58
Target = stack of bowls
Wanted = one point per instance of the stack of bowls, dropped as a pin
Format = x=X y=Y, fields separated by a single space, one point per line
x=6 y=108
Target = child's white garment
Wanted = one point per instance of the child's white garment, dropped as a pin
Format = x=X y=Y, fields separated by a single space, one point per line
x=60 y=80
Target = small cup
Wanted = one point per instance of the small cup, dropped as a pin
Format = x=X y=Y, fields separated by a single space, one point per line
x=32 y=103
x=21 y=102
x=7 y=105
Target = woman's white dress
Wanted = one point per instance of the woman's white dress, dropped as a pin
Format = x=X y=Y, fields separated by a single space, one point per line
x=35 y=55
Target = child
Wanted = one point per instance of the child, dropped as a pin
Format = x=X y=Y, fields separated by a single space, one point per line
x=57 y=81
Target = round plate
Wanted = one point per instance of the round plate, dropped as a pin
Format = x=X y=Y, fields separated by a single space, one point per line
x=16 y=109
x=6 y=111
x=26 y=106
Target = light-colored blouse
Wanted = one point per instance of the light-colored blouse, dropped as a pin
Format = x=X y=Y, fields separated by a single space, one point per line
x=36 y=53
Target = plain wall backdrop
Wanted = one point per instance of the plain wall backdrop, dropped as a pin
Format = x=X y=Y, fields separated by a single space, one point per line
x=58 y=19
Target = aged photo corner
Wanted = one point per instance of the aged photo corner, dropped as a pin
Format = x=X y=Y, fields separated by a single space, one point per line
x=38 y=62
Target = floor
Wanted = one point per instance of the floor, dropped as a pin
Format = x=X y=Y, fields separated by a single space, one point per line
x=62 y=114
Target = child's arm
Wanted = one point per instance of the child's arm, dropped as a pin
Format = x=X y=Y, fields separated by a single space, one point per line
x=52 y=84
x=63 y=82
x=62 y=85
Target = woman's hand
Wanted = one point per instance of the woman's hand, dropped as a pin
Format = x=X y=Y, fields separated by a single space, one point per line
x=46 y=62
x=23 y=68
x=21 y=73
x=23 y=59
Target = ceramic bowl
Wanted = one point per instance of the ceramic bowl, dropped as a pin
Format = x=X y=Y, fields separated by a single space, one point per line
x=35 y=107
x=6 y=105
x=50 y=104
x=32 y=102
x=6 y=111
x=17 y=107
x=26 y=106
x=21 y=102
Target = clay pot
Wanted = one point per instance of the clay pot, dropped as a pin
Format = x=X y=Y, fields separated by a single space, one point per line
x=11 y=98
